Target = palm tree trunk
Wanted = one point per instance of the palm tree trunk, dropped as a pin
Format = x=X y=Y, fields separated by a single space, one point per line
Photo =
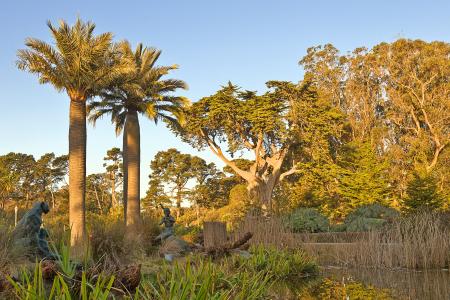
x=125 y=173
x=132 y=156
x=77 y=174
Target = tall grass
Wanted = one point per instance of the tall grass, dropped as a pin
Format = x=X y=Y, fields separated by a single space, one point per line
x=420 y=241
x=268 y=231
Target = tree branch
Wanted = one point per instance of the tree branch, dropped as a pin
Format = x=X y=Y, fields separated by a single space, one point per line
x=218 y=152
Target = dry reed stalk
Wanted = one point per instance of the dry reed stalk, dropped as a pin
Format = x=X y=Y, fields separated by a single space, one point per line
x=419 y=241
x=266 y=231
x=416 y=242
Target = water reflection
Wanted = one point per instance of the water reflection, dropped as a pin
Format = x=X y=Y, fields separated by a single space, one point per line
x=334 y=283
x=403 y=284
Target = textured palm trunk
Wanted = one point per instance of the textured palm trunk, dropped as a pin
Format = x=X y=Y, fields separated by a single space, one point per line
x=77 y=174
x=133 y=160
x=125 y=174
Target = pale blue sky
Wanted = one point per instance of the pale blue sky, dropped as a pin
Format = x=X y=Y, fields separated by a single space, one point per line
x=248 y=42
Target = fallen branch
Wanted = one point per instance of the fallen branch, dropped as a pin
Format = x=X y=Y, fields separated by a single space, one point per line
x=219 y=251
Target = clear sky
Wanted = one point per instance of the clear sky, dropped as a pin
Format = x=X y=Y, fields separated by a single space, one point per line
x=246 y=41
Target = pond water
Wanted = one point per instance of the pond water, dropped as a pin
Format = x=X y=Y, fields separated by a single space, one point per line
x=338 y=283
x=403 y=284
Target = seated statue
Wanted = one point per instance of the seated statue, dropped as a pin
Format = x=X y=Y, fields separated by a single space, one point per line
x=168 y=222
x=43 y=249
x=30 y=237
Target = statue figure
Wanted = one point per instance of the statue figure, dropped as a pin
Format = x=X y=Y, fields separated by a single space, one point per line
x=43 y=248
x=168 y=222
x=29 y=235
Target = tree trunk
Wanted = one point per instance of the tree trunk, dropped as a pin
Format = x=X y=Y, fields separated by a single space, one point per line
x=99 y=205
x=113 y=190
x=179 y=202
x=77 y=174
x=133 y=171
x=53 y=199
x=261 y=192
x=125 y=174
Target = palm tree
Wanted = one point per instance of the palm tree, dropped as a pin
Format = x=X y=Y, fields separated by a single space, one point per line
x=140 y=92
x=80 y=64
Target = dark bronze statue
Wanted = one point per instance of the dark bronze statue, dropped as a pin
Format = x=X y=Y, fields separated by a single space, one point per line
x=168 y=222
x=29 y=236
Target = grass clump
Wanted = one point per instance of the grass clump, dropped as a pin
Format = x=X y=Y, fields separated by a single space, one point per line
x=32 y=285
x=281 y=264
x=203 y=279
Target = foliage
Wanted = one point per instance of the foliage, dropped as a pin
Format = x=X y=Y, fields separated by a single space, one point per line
x=81 y=69
x=173 y=171
x=114 y=167
x=26 y=179
x=238 y=205
x=203 y=280
x=363 y=179
x=422 y=193
x=369 y=217
x=98 y=196
x=307 y=220
x=395 y=100
x=245 y=121
x=141 y=90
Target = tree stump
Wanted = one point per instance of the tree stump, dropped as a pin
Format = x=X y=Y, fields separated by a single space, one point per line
x=214 y=234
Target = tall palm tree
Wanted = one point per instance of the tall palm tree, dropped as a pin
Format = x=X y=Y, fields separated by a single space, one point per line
x=141 y=92
x=80 y=64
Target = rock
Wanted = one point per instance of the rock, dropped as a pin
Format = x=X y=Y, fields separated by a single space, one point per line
x=174 y=246
x=241 y=253
x=168 y=257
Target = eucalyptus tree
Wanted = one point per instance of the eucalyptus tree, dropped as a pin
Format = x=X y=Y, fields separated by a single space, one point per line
x=79 y=64
x=174 y=170
x=143 y=91
x=113 y=165
x=416 y=83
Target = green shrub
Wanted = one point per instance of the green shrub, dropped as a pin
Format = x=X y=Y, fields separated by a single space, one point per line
x=370 y=217
x=307 y=220
x=341 y=227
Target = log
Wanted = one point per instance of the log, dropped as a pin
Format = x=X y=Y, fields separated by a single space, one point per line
x=217 y=252
x=214 y=234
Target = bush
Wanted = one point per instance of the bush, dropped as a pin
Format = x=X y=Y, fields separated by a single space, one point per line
x=307 y=220
x=370 y=217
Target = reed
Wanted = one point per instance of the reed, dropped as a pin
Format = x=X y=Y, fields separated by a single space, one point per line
x=418 y=241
